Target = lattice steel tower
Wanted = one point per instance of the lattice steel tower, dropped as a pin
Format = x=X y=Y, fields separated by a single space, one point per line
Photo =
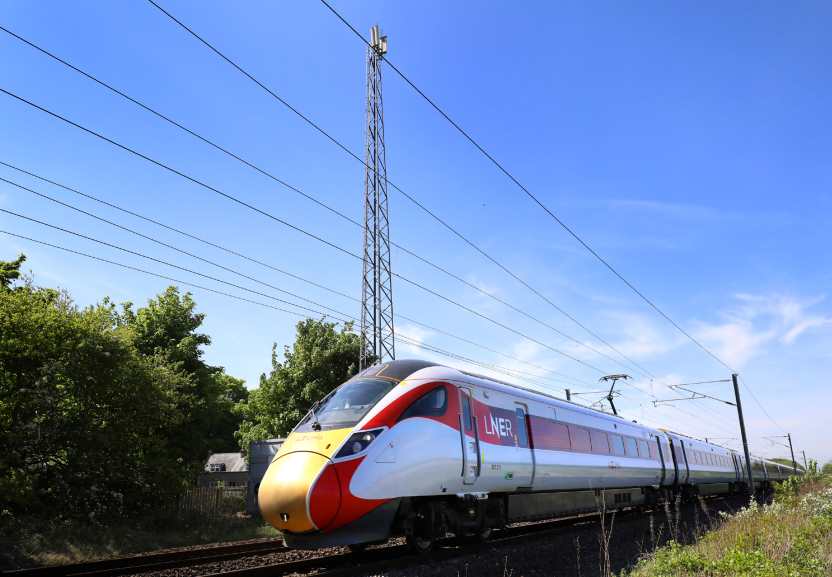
x=377 y=333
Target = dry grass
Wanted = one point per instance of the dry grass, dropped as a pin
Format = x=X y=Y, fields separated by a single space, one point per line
x=57 y=544
x=792 y=537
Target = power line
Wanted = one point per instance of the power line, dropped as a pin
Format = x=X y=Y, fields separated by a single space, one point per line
x=176 y=230
x=551 y=213
x=297 y=190
x=408 y=339
x=410 y=197
x=147 y=272
x=164 y=262
x=759 y=404
x=531 y=195
x=237 y=297
x=286 y=223
x=240 y=255
x=165 y=244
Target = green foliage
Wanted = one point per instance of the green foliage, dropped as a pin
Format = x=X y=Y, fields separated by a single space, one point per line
x=321 y=359
x=166 y=331
x=10 y=271
x=104 y=412
x=827 y=468
x=791 y=537
x=787 y=461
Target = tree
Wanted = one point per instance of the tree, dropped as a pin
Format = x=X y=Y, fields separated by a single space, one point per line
x=80 y=411
x=10 y=271
x=105 y=412
x=321 y=358
x=166 y=330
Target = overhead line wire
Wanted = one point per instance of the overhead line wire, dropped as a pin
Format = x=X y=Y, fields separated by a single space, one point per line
x=548 y=211
x=141 y=270
x=290 y=225
x=215 y=291
x=410 y=340
x=297 y=190
x=240 y=255
x=167 y=245
x=407 y=195
x=176 y=230
x=164 y=262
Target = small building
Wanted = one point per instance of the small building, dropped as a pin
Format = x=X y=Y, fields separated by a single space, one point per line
x=227 y=470
x=260 y=455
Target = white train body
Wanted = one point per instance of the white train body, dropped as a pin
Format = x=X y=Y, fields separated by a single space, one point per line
x=468 y=454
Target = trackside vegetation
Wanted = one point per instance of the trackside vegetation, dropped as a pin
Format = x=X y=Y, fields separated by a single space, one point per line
x=108 y=413
x=791 y=537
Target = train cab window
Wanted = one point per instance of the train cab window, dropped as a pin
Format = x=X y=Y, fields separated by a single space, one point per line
x=580 y=439
x=600 y=442
x=643 y=451
x=617 y=445
x=346 y=405
x=630 y=447
x=431 y=404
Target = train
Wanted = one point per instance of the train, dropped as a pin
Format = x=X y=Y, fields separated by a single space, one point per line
x=416 y=449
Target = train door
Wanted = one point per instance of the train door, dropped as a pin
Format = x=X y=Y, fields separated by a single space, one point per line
x=737 y=469
x=470 y=438
x=658 y=442
x=675 y=459
x=525 y=444
x=687 y=462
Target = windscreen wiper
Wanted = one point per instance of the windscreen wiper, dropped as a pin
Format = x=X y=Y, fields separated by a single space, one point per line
x=316 y=426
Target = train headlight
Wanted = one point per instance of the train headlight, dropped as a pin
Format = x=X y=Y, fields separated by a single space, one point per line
x=358 y=442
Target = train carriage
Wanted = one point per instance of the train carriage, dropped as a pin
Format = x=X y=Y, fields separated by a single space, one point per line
x=415 y=448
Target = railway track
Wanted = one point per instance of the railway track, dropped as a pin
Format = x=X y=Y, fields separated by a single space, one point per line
x=401 y=556
x=204 y=561
x=151 y=562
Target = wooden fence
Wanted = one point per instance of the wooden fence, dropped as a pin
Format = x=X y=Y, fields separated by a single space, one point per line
x=212 y=502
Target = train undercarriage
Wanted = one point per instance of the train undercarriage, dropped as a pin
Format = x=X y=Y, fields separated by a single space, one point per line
x=424 y=521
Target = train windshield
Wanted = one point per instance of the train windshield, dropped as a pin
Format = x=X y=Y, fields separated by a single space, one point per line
x=346 y=405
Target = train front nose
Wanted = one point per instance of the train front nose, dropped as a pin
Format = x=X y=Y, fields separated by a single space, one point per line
x=300 y=492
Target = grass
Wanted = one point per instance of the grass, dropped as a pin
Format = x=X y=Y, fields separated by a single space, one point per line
x=791 y=537
x=38 y=543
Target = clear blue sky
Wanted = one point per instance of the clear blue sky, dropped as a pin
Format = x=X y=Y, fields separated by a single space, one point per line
x=689 y=143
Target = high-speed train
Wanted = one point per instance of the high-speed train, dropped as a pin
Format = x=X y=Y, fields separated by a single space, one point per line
x=422 y=450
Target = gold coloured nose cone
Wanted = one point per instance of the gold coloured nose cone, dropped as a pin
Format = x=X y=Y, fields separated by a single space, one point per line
x=284 y=490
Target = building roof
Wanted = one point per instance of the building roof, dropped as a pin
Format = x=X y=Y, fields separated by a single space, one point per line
x=234 y=462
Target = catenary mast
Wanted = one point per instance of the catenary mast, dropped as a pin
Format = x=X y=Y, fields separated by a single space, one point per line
x=377 y=333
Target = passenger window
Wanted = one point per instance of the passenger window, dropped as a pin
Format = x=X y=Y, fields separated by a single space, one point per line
x=617 y=444
x=654 y=449
x=431 y=404
x=600 y=443
x=580 y=439
x=643 y=451
x=630 y=447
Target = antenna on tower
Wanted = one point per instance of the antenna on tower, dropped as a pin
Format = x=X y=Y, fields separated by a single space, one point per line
x=377 y=333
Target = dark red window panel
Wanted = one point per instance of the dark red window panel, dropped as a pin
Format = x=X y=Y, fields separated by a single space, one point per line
x=580 y=439
x=600 y=442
